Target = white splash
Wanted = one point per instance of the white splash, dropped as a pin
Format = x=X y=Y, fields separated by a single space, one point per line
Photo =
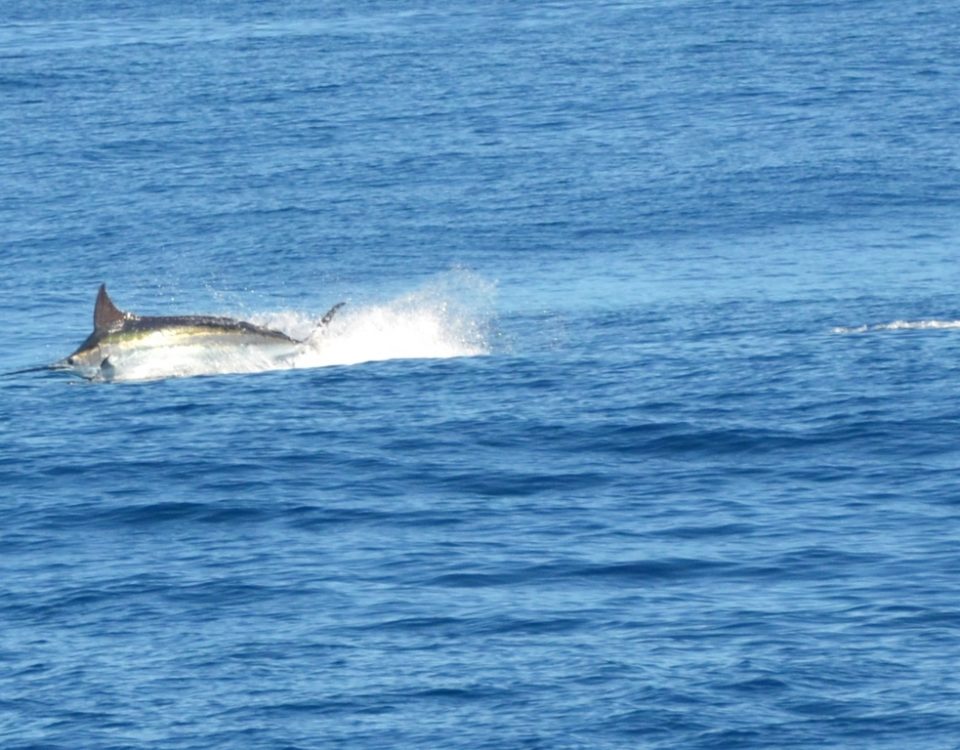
x=899 y=325
x=448 y=318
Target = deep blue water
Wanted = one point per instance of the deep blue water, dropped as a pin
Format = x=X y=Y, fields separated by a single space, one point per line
x=639 y=428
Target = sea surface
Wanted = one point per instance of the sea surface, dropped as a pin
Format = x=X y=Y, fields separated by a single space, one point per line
x=640 y=427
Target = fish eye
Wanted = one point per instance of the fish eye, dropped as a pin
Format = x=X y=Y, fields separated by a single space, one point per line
x=71 y=361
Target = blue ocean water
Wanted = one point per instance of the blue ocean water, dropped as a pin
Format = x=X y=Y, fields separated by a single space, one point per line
x=638 y=429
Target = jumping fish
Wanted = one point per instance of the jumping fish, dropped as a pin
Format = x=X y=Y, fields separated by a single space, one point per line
x=122 y=340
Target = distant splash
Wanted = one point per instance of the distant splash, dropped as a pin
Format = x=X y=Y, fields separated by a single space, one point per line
x=899 y=325
x=449 y=317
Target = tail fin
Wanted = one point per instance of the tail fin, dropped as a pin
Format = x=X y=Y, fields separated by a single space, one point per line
x=325 y=320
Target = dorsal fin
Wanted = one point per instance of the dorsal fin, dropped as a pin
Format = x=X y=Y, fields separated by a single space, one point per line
x=105 y=313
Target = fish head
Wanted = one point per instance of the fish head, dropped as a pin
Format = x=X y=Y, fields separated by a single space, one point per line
x=87 y=361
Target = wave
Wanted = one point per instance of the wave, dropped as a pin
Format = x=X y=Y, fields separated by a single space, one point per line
x=899 y=325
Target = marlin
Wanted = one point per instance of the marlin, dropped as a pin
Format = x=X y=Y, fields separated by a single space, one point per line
x=161 y=345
